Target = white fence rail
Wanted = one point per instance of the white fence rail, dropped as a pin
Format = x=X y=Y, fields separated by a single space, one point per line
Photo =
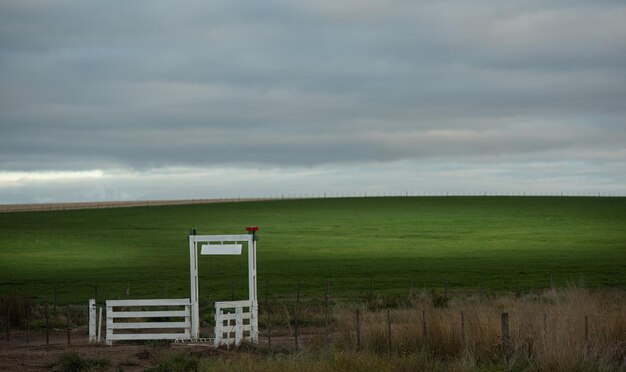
x=233 y=322
x=123 y=320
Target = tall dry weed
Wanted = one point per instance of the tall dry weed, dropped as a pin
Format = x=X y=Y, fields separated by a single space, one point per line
x=547 y=331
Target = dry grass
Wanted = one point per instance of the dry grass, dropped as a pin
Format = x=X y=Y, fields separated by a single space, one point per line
x=546 y=331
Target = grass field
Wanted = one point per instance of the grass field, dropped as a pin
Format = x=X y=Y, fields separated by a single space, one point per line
x=501 y=243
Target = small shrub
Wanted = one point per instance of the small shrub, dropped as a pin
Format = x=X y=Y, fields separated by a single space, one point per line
x=72 y=362
x=440 y=302
x=177 y=363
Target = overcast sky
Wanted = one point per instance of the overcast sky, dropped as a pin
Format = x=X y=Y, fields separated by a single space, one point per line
x=124 y=100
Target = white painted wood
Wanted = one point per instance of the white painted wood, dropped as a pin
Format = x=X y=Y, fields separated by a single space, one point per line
x=148 y=314
x=252 y=289
x=242 y=315
x=233 y=304
x=114 y=329
x=229 y=324
x=218 y=325
x=193 y=272
x=232 y=247
x=109 y=329
x=220 y=249
x=238 y=324
x=157 y=302
x=150 y=325
x=232 y=328
x=92 y=320
x=220 y=238
x=150 y=336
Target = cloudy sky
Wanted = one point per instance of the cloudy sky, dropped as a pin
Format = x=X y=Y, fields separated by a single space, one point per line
x=150 y=99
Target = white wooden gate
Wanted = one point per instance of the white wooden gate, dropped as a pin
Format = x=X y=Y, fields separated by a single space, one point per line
x=233 y=323
x=122 y=320
x=215 y=245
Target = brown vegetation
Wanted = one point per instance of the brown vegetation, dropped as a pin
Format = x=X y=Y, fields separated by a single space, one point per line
x=556 y=330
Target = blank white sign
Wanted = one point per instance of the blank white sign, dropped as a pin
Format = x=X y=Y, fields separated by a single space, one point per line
x=220 y=249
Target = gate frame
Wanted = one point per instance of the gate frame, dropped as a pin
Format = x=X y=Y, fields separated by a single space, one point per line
x=249 y=238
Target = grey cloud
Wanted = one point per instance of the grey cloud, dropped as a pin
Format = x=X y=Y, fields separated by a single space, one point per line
x=100 y=84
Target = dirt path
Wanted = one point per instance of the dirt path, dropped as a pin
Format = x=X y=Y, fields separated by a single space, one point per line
x=35 y=355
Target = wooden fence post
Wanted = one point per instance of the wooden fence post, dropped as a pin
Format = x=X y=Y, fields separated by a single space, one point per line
x=67 y=317
x=27 y=325
x=389 y=328
x=424 y=330
x=462 y=330
x=358 y=330
x=586 y=332
x=8 y=321
x=504 y=319
x=47 y=325
x=297 y=316
x=99 y=325
x=545 y=324
x=326 y=310
x=269 y=318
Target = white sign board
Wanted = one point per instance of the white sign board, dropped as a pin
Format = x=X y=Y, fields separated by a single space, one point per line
x=210 y=249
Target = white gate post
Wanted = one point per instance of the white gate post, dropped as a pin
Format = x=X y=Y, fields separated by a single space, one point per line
x=92 y=320
x=218 y=325
x=212 y=249
x=252 y=288
x=193 y=268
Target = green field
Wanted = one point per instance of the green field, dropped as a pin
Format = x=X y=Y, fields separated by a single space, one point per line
x=502 y=243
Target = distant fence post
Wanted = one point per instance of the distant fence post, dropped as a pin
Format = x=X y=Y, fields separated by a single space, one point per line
x=47 y=325
x=297 y=316
x=27 y=324
x=67 y=318
x=462 y=330
x=268 y=316
x=8 y=321
x=358 y=330
x=504 y=319
x=326 y=311
x=586 y=333
x=389 y=328
x=424 y=330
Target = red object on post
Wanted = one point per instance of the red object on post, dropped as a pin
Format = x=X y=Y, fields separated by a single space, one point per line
x=252 y=228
